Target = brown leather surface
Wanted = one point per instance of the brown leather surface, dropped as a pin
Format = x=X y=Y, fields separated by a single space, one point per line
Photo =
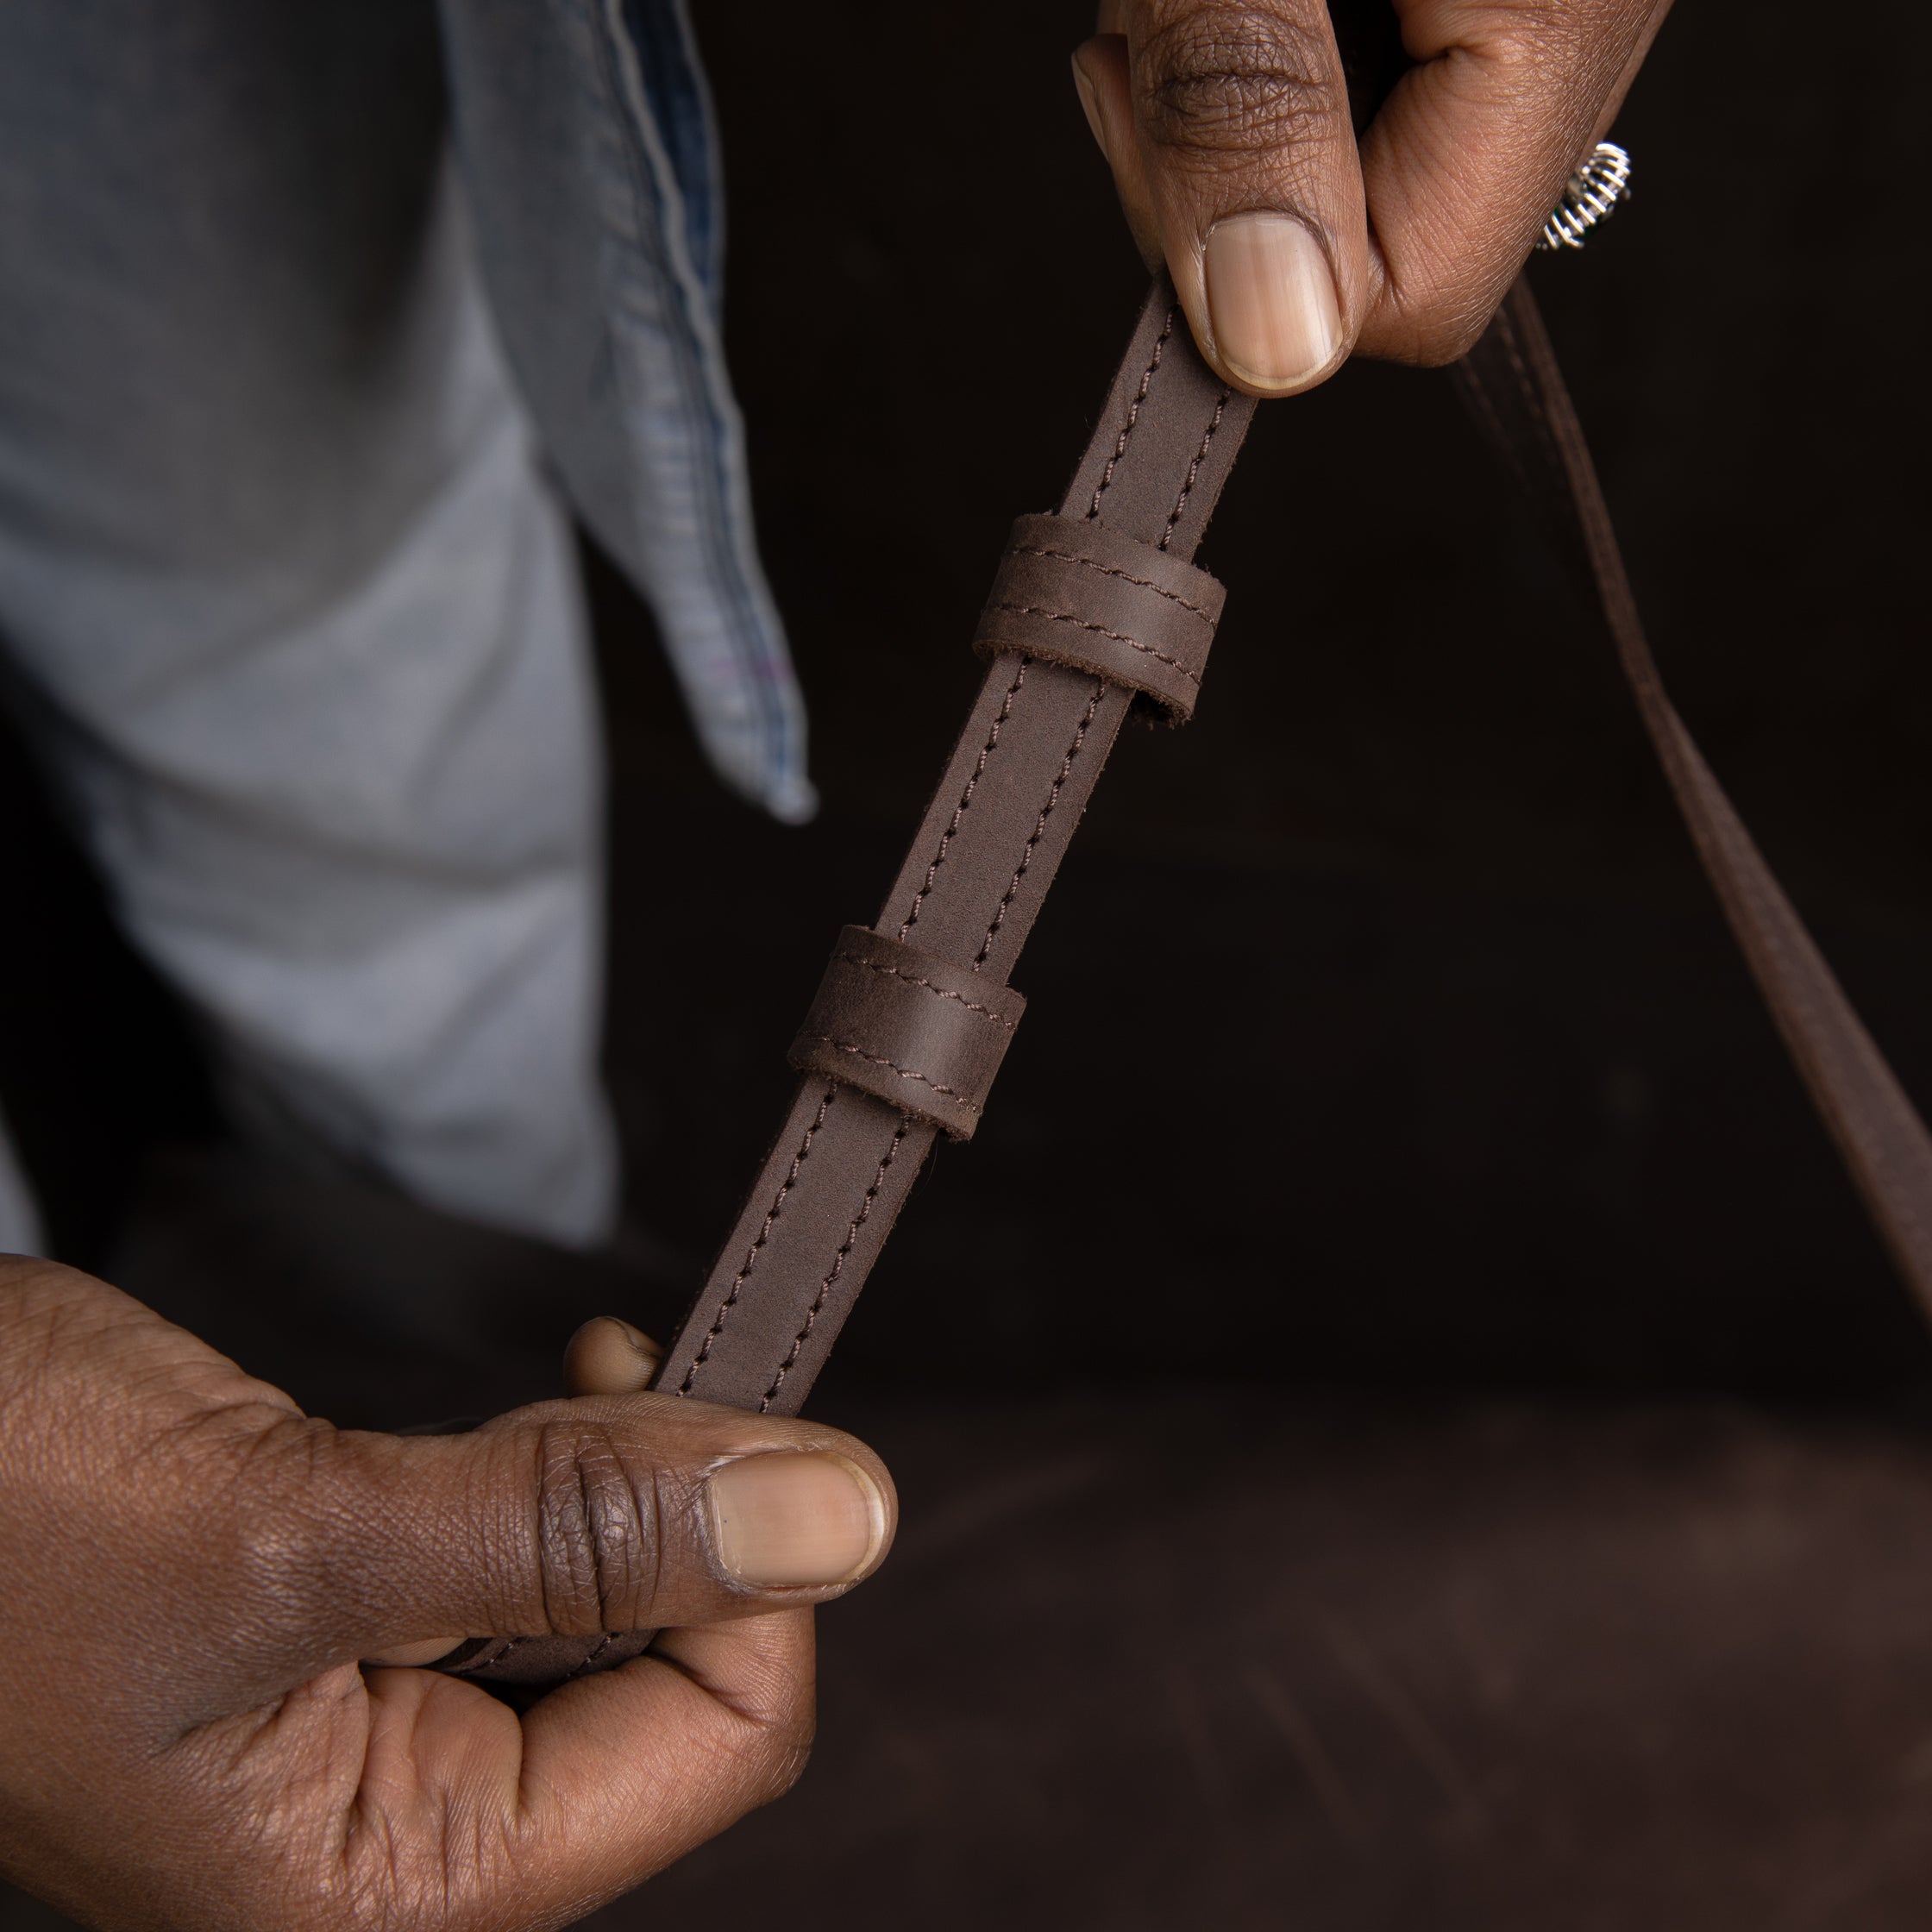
x=1073 y=591
x=1229 y=1660
x=909 y=1028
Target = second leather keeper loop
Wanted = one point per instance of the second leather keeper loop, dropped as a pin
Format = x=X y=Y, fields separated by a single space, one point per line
x=909 y=1028
x=1072 y=591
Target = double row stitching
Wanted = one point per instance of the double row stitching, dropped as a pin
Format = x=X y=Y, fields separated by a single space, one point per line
x=1099 y=630
x=764 y=1235
x=938 y=992
x=904 y=1073
x=966 y=797
x=838 y=1261
x=1039 y=823
x=1194 y=468
x=1134 y=415
x=1126 y=576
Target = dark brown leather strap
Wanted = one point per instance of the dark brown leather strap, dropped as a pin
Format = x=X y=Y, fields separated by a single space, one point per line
x=1073 y=591
x=1090 y=607
x=1513 y=380
x=1095 y=608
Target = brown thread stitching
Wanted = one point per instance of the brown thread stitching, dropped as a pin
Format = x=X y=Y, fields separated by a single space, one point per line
x=904 y=1073
x=938 y=992
x=610 y=1638
x=1040 y=825
x=1133 y=416
x=1194 y=468
x=489 y=1658
x=1100 y=629
x=838 y=1260
x=764 y=1235
x=1107 y=570
x=966 y=797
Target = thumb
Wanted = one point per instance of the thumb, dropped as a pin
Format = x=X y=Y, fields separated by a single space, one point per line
x=1227 y=124
x=608 y=1514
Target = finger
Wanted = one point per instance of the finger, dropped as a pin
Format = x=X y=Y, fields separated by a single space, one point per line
x=1472 y=151
x=606 y=1781
x=1227 y=124
x=607 y=1356
x=608 y=1513
x=738 y=1699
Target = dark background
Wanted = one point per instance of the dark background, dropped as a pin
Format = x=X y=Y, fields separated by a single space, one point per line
x=1552 y=1497
x=1481 y=1097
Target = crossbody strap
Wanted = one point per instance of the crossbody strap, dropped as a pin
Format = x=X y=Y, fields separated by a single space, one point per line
x=1513 y=381
x=1095 y=609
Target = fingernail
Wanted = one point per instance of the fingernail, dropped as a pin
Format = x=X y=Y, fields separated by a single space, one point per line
x=1270 y=299
x=807 y=1518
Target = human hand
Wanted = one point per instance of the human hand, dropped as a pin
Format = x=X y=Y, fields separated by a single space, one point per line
x=192 y=1569
x=1293 y=245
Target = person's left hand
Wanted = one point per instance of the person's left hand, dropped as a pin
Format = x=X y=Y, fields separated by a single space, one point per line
x=193 y=1569
x=1227 y=126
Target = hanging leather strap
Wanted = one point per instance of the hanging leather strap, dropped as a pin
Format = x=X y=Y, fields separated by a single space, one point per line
x=1513 y=381
x=1095 y=609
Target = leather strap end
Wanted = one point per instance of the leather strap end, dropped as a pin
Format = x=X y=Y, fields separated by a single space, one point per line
x=1072 y=590
x=909 y=1028
x=541 y=1662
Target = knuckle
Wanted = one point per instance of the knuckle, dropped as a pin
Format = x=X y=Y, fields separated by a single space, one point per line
x=1226 y=81
x=599 y=1534
x=1561 y=49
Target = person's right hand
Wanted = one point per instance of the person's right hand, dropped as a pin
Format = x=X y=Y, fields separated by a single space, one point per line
x=192 y=1569
x=1292 y=244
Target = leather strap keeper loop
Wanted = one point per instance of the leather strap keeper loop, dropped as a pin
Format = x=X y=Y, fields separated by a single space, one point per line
x=909 y=1028
x=1071 y=591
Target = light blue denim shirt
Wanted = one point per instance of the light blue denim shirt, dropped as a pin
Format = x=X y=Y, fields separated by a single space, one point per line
x=583 y=134
x=288 y=604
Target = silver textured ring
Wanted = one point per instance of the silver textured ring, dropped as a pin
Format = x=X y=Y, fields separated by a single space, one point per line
x=1589 y=196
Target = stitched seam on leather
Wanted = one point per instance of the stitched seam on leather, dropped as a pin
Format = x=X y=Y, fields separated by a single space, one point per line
x=1039 y=823
x=904 y=1073
x=1134 y=415
x=490 y=1659
x=757 y=1246
x=838 y=1262
x=610 y=1638
x=938 y=992
x=966 y=797
x=1194 y=468
x=1100 y=631
x=1109 y=570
